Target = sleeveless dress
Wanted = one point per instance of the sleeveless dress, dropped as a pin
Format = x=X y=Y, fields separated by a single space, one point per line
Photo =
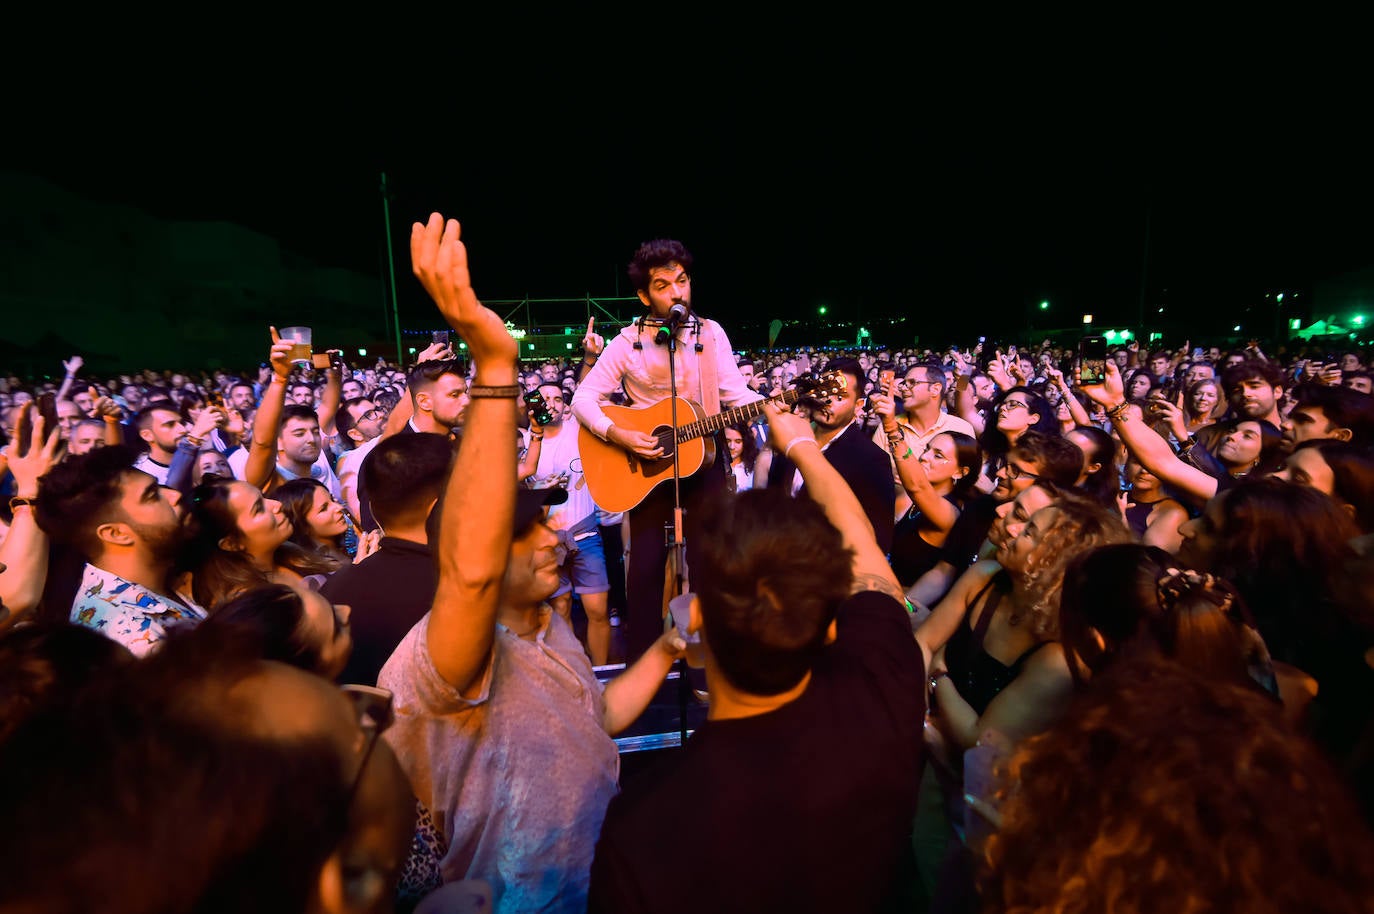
x=977 y=674
x=911 y=555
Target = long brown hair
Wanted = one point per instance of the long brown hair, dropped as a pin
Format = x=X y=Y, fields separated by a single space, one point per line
x=219 y=574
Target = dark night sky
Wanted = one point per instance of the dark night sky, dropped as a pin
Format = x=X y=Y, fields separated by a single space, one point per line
x=880 y=193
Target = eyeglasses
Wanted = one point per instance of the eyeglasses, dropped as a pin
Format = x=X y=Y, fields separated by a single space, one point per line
x=374 y=709
x=375 y=412
x=912 y=382
x=1010 y=405
x=1015 y=472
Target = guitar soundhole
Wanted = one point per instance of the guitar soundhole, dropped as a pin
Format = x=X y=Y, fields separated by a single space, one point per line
x=664 y=434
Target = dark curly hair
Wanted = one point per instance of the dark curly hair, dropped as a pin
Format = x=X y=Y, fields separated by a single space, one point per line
x=654 y=254
x=1161 y=790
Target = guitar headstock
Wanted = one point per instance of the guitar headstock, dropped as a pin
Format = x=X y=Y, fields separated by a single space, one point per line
x=815 y=392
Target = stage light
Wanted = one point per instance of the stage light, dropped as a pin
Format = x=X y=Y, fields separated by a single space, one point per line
x=362 y=352
x=1044 y=306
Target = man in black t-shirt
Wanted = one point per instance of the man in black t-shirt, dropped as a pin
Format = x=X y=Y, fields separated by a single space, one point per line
x=799 y=792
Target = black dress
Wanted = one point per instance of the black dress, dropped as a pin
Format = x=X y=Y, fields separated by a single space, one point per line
x=976 y=674
x=911 y=555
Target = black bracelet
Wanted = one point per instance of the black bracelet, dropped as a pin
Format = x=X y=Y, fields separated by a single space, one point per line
x=506 y=391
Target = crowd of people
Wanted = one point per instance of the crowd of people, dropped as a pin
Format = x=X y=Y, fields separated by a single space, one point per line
x=980 y=628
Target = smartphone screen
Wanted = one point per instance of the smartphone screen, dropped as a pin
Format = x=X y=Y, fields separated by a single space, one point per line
x=887 y=377
x=440 y=336
x=1092 y=360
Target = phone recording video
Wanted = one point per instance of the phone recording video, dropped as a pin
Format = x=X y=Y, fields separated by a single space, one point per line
x=535 y=401
x=1092 y=360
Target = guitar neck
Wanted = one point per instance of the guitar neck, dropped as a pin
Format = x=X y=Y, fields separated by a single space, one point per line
x=740 y=414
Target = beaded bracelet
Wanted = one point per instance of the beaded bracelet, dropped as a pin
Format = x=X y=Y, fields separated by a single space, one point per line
x=505 y=391
x=1119 y=410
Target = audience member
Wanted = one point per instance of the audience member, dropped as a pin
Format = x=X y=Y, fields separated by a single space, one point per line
x=393 y=588
x=807 y=656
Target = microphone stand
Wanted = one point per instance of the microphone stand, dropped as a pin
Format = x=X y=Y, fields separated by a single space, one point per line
x=674 y=532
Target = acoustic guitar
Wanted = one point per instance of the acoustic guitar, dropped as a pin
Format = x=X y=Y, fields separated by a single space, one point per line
x=619 y=480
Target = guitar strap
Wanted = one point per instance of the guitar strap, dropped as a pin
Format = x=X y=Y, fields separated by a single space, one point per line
x=706 y=370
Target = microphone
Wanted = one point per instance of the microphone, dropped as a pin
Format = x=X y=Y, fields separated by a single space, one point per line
x=677 y=316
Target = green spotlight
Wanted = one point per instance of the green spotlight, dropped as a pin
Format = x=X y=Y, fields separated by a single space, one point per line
x=362 y=352
x=1044 y=306
x=1359 y=320
x=822 y=309
x=1110 y=334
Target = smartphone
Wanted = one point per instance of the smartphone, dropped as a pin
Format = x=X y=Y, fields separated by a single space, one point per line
x=47 y=408
x=535 y=401
x=887 y=377
x=440 y=336
x=320 y=360
x=1092 y=360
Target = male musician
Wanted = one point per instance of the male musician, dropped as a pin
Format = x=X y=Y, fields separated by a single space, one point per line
x=636 y=360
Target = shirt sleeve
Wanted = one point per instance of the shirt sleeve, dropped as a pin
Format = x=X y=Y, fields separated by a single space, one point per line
x=596 y=388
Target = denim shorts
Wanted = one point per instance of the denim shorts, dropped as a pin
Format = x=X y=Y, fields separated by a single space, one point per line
x=584 y=568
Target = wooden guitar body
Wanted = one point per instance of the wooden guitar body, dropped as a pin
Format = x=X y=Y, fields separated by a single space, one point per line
x=619 y=480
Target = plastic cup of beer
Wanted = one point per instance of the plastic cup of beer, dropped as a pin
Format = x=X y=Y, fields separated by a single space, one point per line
x=681 y=609
x=300 y=336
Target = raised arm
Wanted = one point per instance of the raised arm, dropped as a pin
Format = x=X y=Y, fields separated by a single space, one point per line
x=262 y=453
x=71 y=366
x=331 y=398
x=479 y=498
x=791 y=436
x=592 y=346
x=1144 y=443
x=1076 y=409
x=24 y=552
x=933 y=505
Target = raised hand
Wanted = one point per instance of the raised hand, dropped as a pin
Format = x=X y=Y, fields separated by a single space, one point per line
x=279 y=357
x=592 y=343
x=785 y=429
x=30 y=465
x=207 y=420
x=882 y=404
x=997 y=370
x=73 y=365
x=439 y=260
x=435 y=352
x=1171 y=413
x=104 y=406
x=1110 y=392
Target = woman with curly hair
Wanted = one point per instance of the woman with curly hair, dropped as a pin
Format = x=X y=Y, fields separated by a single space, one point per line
x=997 y=665
x=1165 y=790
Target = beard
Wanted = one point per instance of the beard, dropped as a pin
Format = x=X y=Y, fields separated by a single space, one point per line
x=163 y=543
